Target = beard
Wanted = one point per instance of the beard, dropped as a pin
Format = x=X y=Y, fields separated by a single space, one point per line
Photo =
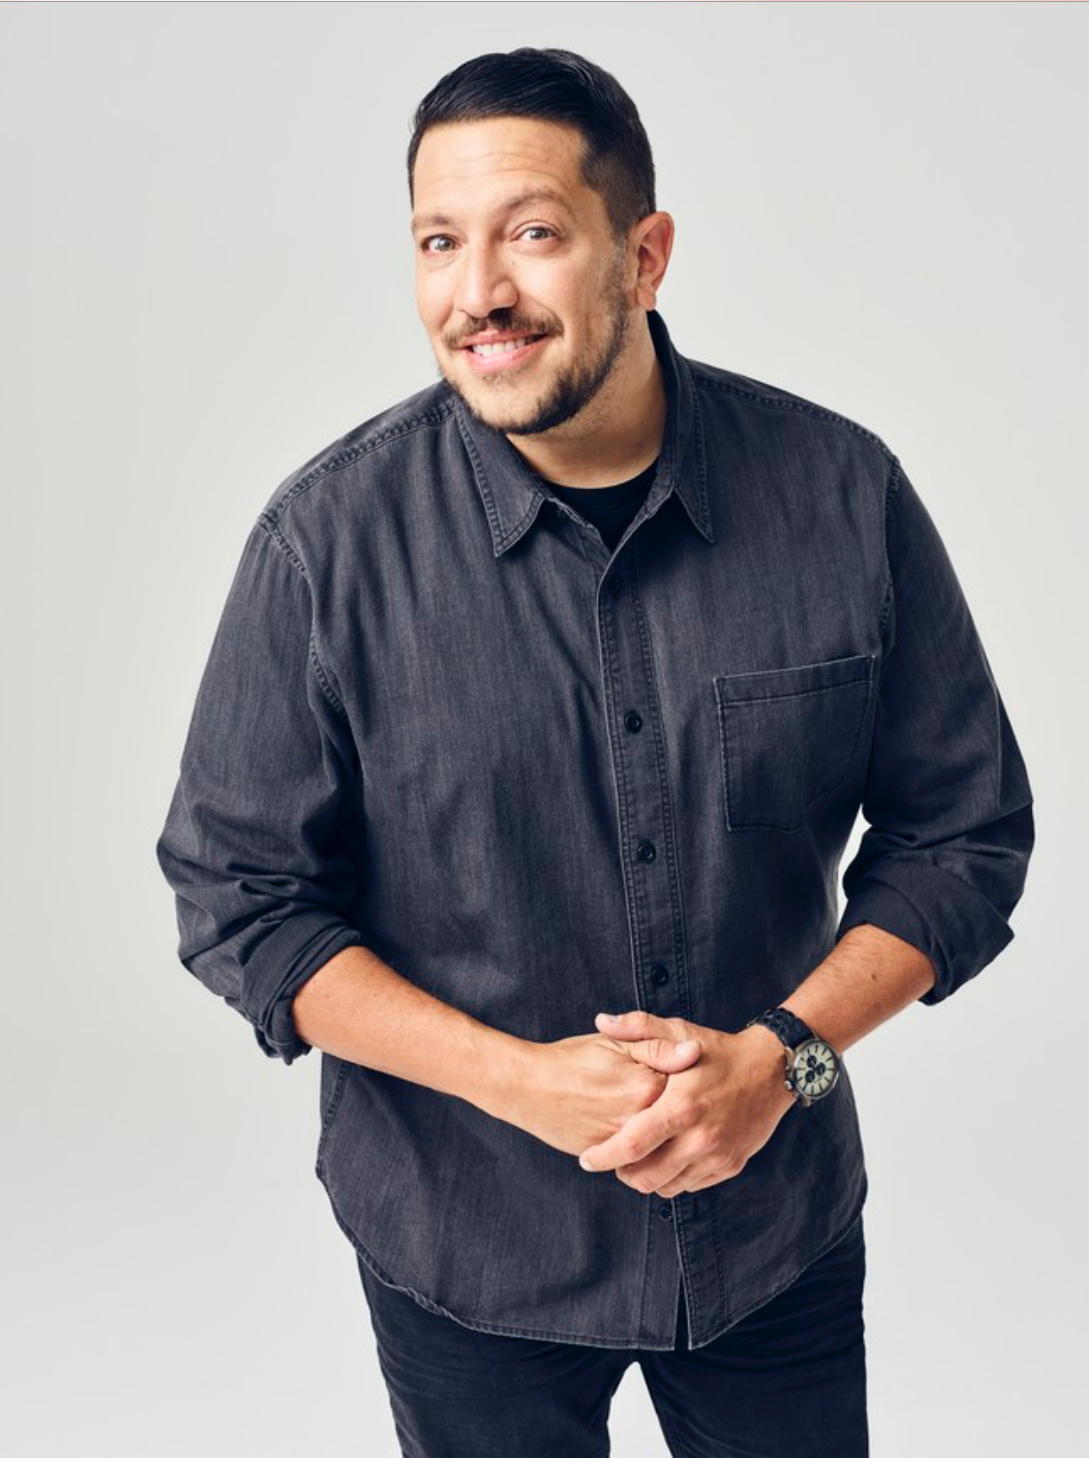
x=571 y=390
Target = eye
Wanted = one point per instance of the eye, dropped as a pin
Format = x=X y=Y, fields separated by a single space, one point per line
x=425 y=243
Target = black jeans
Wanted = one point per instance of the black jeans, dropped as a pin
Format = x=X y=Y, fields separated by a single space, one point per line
x=788 y=1379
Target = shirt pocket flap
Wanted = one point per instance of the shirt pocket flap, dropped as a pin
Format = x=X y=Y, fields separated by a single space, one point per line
x=788 y=736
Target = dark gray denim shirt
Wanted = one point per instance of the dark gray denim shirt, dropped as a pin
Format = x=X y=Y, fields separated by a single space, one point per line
x=541 y=779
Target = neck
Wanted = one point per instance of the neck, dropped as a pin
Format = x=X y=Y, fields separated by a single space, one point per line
x=617 y=435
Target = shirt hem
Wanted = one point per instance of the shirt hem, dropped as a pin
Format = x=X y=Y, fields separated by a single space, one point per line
x=576 y=1338
x=494 y=1329
x=763 y=1300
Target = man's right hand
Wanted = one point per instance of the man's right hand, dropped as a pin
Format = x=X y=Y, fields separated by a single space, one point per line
x=580 y=1090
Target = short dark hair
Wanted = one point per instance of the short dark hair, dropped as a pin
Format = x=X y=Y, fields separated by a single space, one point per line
x=558 y=86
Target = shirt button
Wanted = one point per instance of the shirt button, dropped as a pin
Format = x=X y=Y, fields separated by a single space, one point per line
x=659 y=974
x=614 y=583
x=646 y=850
x=666 y=1212
x=632 y=721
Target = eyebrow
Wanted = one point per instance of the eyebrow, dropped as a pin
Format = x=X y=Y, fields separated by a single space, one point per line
x=534 y=194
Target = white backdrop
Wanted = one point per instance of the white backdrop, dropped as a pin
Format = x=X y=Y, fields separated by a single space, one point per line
x=207 y=277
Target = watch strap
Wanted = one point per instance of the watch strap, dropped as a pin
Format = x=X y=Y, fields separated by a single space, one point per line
x=787 y=1026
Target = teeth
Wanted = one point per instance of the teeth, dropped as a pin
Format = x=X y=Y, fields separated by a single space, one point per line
x=505 y=348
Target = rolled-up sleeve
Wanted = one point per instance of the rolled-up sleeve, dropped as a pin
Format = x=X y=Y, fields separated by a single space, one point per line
x=257 y=840
x=947 y=797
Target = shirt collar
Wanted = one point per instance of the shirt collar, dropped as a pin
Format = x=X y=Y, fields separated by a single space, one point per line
x=512 y=493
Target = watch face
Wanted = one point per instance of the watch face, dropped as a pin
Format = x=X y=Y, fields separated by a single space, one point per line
x=815 y=1069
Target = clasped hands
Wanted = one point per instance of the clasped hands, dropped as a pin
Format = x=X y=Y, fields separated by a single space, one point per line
x=712 y=1100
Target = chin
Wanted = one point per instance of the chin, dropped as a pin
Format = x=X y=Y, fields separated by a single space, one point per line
x=494 y=414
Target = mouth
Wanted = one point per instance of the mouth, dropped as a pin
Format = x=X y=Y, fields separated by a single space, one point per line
x=487 y=359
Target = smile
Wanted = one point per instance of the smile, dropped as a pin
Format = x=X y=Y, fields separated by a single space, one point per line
x=486 y=359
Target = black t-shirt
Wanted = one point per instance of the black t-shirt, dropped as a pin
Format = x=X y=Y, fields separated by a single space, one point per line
x=609 y=508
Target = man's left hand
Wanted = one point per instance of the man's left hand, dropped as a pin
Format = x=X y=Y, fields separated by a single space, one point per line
x=710 y=1119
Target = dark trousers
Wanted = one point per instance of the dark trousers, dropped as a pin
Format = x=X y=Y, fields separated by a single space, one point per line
x=788 y=1379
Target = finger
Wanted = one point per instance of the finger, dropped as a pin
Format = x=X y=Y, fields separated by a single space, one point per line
x=640 y=1136
x=666 y=1055
x=638 y=1023
x=688 y=1176
x=670 y=1172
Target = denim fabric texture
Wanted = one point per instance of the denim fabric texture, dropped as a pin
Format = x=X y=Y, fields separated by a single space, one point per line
x=542 y=778
x=788 y=1379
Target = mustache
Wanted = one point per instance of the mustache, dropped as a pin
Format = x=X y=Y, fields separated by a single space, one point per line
x=518 y=327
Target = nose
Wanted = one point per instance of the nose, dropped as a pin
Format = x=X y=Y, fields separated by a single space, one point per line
x=483 y=283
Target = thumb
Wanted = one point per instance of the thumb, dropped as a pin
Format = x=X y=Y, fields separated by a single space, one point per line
x=666 y=1055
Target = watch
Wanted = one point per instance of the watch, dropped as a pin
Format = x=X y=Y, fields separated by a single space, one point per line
x=812 y=1064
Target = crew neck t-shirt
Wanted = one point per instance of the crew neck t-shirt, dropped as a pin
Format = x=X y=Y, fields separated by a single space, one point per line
x=609 y=508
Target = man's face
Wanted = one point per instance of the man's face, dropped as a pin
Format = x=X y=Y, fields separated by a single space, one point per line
x=490 y=260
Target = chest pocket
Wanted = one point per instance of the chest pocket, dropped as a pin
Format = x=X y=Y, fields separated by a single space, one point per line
x=787 y=736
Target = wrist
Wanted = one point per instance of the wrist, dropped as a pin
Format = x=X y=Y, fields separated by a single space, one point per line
x=501 y=1064
x=771 y=1059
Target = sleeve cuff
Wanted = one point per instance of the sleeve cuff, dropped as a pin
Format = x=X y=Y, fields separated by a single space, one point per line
x=276 y=1033
x=960 y=932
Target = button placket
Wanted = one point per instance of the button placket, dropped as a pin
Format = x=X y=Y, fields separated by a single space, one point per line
x=646 y=845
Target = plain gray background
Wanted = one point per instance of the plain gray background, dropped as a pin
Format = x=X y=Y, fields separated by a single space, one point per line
x=207 y=277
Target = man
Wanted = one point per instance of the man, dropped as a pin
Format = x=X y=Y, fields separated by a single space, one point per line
x=555 y=690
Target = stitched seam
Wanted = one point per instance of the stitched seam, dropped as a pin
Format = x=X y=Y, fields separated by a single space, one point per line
x=272 y=530
x=323 y=679
x=720 y=1266
x=632 y=881
x=697 y=431
x=502 y=541
x=790 y=1279
x=793 y=693
x=646 y=653
x=723 y=704
x=797 y=406
x=723 y=762
x=892 y=486
x=346 y=458
x=364 y=1256
x=330 y=1115
x=796 y=668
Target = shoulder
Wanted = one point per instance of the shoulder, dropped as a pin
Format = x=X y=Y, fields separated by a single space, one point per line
x=344 y=466
x=757 y=407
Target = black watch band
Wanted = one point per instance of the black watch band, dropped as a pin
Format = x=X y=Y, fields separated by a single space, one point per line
x=786 y=1026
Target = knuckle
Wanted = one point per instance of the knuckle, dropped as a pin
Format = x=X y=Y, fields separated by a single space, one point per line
x=704 y=1142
